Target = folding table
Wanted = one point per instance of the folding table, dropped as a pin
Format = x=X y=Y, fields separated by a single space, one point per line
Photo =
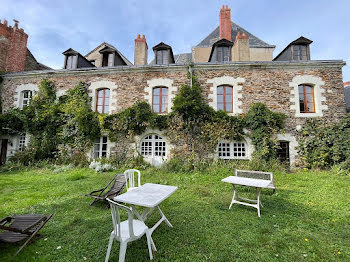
x=252 y=182
x=150 y=196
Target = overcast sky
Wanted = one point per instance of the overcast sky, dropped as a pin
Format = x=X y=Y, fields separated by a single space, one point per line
x=54 y=26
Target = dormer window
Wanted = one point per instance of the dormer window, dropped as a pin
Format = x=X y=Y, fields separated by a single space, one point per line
x=162 y=57
x=107 y=59
x=300 y=52
x=75 y=60
x=223 y=54
x=71 y=62
x=221 y=51
x=163 y=54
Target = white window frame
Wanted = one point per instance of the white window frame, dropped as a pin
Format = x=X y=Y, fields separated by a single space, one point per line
x=27 y=100
x=22 y=142
x=231 y=150
x=153 y=146
x=19 y=93
x=100 y=148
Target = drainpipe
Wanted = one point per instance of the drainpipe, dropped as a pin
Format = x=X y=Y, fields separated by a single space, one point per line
x=190 y=69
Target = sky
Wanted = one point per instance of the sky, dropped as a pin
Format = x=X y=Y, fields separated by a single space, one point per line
x=55 y=26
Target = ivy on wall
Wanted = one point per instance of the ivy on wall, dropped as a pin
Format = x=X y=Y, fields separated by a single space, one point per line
x=68 y=125
x=322 y=145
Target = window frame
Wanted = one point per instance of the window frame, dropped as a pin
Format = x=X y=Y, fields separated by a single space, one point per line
x=221 y=59
x=224 y=98
x=284 y=151
x=100 y=142
x=299 y=50
x=26 y=99
x=306 y=102
x=232 y=151
x=22 y=141
x=162 y=149
x=103 y=100
x=160 y=99
x=164 y=53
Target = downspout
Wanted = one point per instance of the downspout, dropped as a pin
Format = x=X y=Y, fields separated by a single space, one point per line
x=190 y=70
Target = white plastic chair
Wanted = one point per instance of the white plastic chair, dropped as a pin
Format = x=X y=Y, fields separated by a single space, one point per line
x=127 y=231
x=130 y=178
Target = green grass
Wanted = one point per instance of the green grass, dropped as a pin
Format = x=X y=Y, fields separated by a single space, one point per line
x=307 y=219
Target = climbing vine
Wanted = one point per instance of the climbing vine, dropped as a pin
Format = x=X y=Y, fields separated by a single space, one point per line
x=68 y=126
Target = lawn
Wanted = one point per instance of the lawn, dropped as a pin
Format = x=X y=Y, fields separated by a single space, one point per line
x=307 y=219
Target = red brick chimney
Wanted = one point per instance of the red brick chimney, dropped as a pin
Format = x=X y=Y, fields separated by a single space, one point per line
x=225 y=23
x=13 y=47
x=141 y=50
x=347 y=83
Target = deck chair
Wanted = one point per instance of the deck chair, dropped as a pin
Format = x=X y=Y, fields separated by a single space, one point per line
x=112 y=189
x=22 y=227
x=130 y=173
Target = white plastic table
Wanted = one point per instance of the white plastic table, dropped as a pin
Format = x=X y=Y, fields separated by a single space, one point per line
x=252 y=182
x=150 y=196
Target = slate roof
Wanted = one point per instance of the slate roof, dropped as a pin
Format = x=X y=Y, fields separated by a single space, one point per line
x=215 y=36
x=182 y=59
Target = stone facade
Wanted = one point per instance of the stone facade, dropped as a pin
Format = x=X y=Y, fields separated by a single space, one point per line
x=265 y=82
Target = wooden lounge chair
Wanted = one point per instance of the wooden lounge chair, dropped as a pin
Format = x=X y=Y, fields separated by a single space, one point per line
x=22 y=227
x=112 y=189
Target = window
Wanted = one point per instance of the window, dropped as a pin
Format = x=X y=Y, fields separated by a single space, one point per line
x=108 y=59
x=283 y=151
x=26 y=96
x=153 y=146
x=300 y=52
x=223 y=54
x=71 y=62
x=93 y=62
x=162 y=57
x=232 y=150
x=100 y=147
x=306 y=99
x=22 y=142
x=160 y=100
x=102 y=102
x=224 y=98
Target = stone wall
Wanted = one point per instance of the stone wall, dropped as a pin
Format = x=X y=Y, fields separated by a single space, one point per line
x=270 y=83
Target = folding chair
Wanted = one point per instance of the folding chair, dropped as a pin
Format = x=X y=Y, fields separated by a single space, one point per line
x=112 y=189
x=17 y=228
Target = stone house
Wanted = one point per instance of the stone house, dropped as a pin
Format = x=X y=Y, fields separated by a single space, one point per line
x=234 y=67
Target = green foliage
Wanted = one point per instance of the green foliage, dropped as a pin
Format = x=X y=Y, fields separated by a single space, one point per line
x=80 y=124
x=12 y=122
x=263 y=125
x=133 y=121
x=323 y=145
x=43 y=121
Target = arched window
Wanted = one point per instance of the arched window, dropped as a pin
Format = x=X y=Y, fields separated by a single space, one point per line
x=232 y=150
x=225 y=98
x=306 y=99
x=102 y=101
x=153 y=146
x=160 y=100
x=26 y=95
